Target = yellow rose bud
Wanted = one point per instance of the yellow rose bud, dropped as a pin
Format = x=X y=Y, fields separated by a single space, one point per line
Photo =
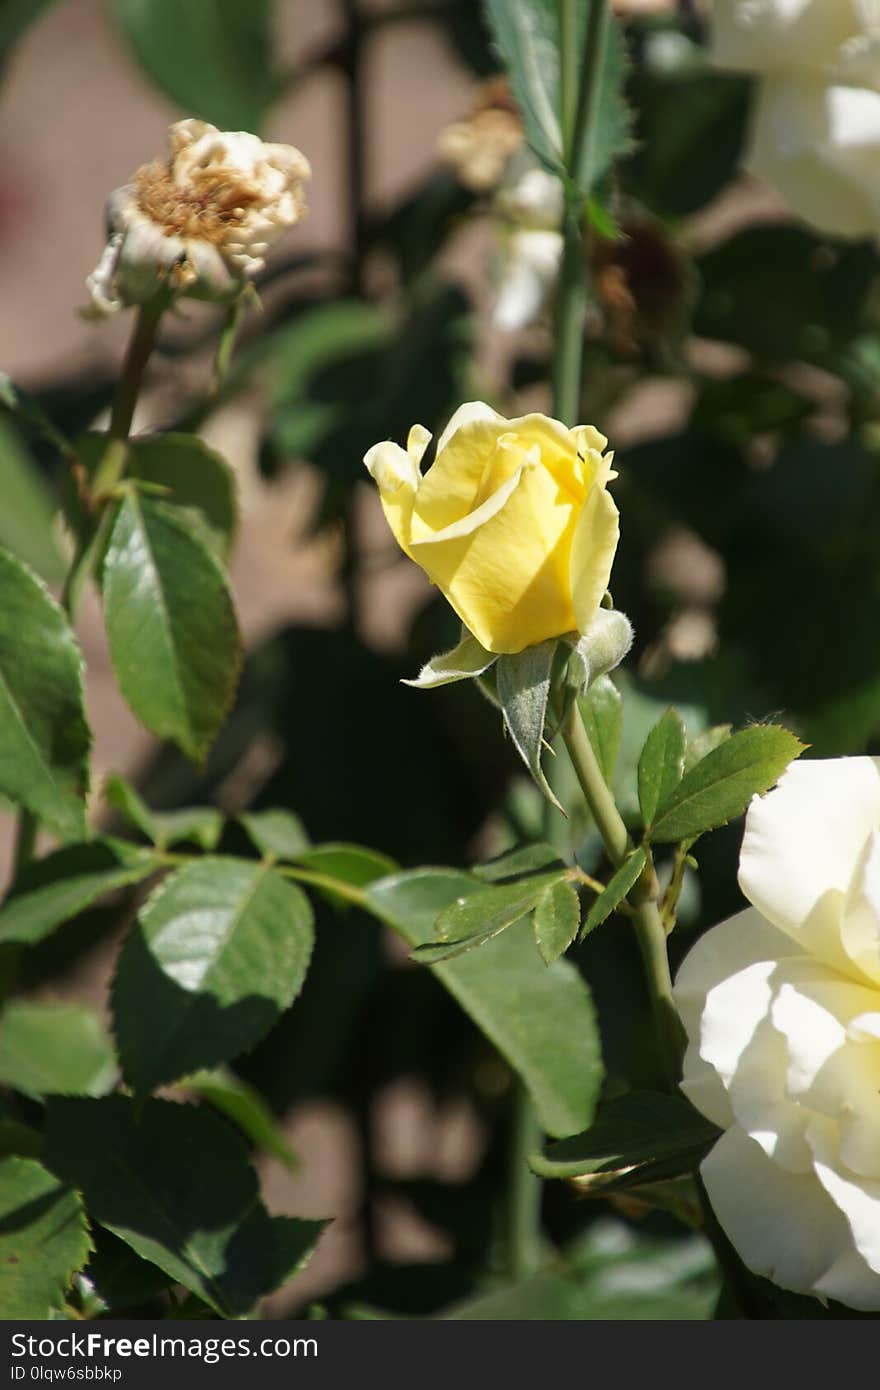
x=512 y=521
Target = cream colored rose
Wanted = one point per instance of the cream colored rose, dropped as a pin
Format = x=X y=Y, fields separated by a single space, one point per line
x=820 y=146
x=200 y=221
x=831 y=38
x=816 y=118
x=782 y=1009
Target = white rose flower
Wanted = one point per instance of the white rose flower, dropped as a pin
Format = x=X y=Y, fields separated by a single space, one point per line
x=200 y=221
x=527 y=267
x=820 y=146
x=823 y=36
x=529 y=248
x=782 y=1009
x=816 y=121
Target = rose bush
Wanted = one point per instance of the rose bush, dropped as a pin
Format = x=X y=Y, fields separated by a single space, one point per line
x=513 y=522
x=782 y=1009
x=816 y=122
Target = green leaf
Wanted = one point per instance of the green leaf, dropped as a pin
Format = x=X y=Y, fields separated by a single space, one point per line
x=640 y=1137
x=43 y=1240
x=220 y=950
x=527 y=35
x=127 y=800
x=703 y=743
x=173 y=635
x=541 y=1020
x=62 y=1049
x=199 y=825
x=661 y=765
x=194 y=825
x=119 y=1277
x=247 y=1109
x=196 y=476
x=19 y=402
x=724 y=782
x=480 y=916
x=602 y=711
x=212 y=57
x=523 y=693
x=28 y=513
x=44 y=737
x=276 y=832
x=174 y=1183
x=615 y=891
x=16 y=1138
x=349 y=863
x=619 y=1275
x=518 y=863
x=556 y=920
x=53 y=890
x=465 y=661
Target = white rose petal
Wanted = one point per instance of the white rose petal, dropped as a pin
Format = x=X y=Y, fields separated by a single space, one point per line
x=802 y=846
x=769 y=35
x=528 y=266
x=819 y=145
x=816 y=118
x=784 y=1225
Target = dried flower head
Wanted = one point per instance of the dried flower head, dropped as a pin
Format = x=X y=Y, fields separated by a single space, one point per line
x=479 y=147
x=200 y=221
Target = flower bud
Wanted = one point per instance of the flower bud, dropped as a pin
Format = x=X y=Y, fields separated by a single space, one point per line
x=200 y=222
x=513 y=521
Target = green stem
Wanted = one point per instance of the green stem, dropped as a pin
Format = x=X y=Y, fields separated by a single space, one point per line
x=583 y=144
x=570 y=312
x=226 y=345
x=524 y=1190
x=580 y=150
x=356 y=137
x=642 y=901
x=112 y=465
x=141 y=344
x=568 y=74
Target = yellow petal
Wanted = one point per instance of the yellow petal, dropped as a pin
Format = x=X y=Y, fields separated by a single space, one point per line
x=587 y=437
x=396 y=474
x=467 y=414
x=559 y=447
x=505 y=568
x=592 y=554
x=456 y=482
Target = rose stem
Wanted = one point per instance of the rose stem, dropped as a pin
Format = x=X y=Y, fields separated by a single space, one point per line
x=579 y=139
x=579 y=151
x=646 y=917
x=524 y=1189
x=577 y=116
x=112 y=465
